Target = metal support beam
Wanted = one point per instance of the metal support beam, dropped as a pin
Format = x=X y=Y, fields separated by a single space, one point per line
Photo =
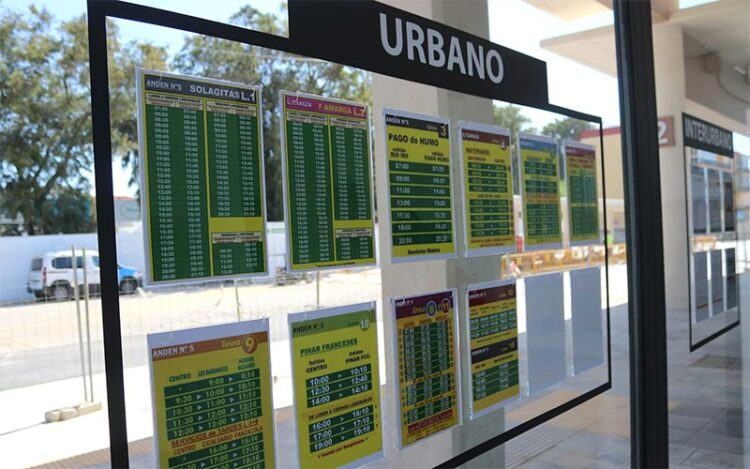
x=646 y=307
x=105 y=214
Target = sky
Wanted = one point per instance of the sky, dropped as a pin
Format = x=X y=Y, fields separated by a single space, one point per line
x=571 y=85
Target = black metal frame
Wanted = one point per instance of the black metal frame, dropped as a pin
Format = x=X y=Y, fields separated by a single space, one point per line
x=98 y=12
x=643 y=218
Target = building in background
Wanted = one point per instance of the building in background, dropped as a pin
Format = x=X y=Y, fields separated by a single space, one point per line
x=702 y=69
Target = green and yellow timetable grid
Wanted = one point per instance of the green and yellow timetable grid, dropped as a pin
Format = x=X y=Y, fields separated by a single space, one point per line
x=212 y=400
x=541 y=191
x=492 y=344
x=427 y=372
x=487 y=188
x=420 y=186
x=336 y=386
x=583 y=202
x=202 y=175
x=327 y=174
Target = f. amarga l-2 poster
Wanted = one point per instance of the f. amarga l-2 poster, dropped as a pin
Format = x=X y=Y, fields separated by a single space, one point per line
x=336 y=386
x=328 y=196
x=427 y=373
x=212 y=400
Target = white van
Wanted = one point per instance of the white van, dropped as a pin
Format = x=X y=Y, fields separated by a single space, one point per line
x=51 y=275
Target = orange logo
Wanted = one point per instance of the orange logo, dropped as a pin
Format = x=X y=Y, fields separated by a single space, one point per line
x=249 y=344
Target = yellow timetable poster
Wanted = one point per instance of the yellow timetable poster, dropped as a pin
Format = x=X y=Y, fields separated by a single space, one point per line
x=336 y=386
x=426 y=374
x=493 y=344
x=212 y=399
x=541 y=192
x=420 y=186
x=583 y=202
x=487 y=189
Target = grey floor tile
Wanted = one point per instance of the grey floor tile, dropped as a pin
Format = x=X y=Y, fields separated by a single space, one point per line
x=687 y=422
x=713 y=442
x=679 y=453
x=713 y=459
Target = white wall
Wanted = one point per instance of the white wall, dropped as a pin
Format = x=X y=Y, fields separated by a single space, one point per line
x=16 y=253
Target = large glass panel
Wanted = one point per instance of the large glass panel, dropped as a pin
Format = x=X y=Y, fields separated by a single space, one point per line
x=701 y=60
x=510 y=205
x=52 y=385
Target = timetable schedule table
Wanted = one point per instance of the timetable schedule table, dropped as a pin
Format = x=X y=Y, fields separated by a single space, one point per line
x=211 y=394
x=583 y=202
x=487 y=189
x=419 y=185
x=541 y=191
x=328 y=185
x=425 y=341
x=202 y=177
x=493 y=344
x=336 y=390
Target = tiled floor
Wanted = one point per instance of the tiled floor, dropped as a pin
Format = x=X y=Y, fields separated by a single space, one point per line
x=705 y=402
x=705 y=420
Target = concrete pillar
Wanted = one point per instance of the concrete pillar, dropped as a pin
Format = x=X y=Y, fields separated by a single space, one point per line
x=418 y=277
x=669 y=64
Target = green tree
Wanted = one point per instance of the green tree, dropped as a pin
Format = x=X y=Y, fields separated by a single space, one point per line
x=45 y=115
x=566 y=128
x=275 y=71
x=512 y=117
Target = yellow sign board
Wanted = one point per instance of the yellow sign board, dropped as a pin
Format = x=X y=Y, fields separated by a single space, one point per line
x=540 y=176
x=493 y=344
x=487 y=189
x=419 y=186
x=583 y=201
x=212 y=399
x=428 y=382
x=336 y=386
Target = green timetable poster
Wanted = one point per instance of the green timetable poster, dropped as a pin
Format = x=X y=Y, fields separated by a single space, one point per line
x=336 y=386
x=327 y=177
x=583 y=202
x=211 y=396
x=487 y=188
x=202 y=177
x=492 y=344
x=420 y=187
x=426 y=372
x=540 y=191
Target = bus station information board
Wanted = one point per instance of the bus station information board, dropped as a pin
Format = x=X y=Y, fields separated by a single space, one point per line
x=336 y=386
x=493 y=344
x=420 y=187
x=327 y=173
x=212 y=400
x=202 y=175
x=583 y=202
x=427 y=372
x=487 y=189
x=541 y=192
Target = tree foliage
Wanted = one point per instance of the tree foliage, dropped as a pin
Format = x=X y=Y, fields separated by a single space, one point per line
x=512 y=117
x=566 y=128
x=45 y=116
